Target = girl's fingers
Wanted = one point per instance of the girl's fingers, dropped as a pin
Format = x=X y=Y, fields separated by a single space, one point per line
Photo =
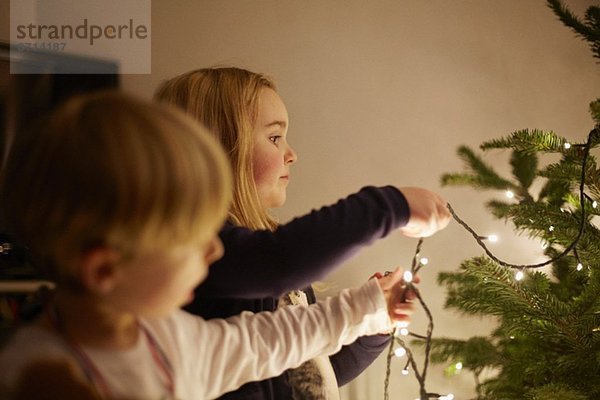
x=377 y=275
x=401 y=310
x=409 y=294
x=400 y=317
x=391 y=278
x=404 y=308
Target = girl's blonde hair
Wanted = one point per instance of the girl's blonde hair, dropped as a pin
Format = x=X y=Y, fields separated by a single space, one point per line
x=225 y=100
x=108 y=169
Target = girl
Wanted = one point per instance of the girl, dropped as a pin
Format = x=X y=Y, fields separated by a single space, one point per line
x=264 y=260
x=121 y=201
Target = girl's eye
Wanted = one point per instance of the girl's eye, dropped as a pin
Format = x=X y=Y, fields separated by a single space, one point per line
x=275 y=139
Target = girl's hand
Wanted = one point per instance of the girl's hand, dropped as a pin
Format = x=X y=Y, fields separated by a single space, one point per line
x=398 y=296
x=428 y=212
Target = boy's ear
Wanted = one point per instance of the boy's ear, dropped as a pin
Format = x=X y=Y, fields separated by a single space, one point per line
x=99 y=269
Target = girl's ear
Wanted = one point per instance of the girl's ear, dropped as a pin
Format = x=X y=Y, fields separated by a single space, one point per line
x=99 y=269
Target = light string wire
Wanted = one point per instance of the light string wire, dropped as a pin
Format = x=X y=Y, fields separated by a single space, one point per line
x=416 y=266
x=569 y=248
x=420 y=375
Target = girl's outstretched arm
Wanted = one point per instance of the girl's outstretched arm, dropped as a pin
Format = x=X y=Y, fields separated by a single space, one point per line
x=259 y=264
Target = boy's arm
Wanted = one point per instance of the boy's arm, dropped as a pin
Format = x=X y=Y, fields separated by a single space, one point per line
x=354 y=358
x=260 y=264
x=253 y=347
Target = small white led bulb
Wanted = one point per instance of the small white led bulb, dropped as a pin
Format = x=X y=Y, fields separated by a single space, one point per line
x=408 y=276
x=400 y=352
x=519 y=275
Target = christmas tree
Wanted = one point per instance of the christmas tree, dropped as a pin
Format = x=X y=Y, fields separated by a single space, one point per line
x=547 y=341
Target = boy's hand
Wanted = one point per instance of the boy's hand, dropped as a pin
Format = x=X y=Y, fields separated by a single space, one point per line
x=428 y=212
x=399 y=297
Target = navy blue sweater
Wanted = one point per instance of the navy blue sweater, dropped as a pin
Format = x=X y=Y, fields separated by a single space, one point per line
x=260 y=266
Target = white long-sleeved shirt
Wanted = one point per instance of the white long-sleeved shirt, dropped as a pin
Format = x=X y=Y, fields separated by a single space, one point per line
x=212 y=357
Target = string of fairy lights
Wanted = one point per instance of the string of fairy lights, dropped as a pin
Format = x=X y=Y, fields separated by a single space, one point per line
x=418 y=262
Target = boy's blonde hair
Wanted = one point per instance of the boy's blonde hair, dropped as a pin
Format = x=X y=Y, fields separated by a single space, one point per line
x=225 y=100
x=109 y=170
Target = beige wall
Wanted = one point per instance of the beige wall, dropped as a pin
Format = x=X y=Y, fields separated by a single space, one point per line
x=383 y=92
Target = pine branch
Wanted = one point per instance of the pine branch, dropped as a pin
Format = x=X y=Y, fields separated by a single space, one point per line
x=563 y=172
x=555 y=391
x=567 y=285
x=569 y=170
x=476 y=353
x=589 y=31
x=554 y=192
x=586 y=307
x=595 y=111
x=482 y=288
x=499 y=209
x=528 y=142
x=541 y=220
x=481 y=175
x=524 y=167
x=529 y=306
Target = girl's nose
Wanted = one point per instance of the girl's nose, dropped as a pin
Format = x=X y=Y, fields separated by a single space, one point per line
x=290 y=156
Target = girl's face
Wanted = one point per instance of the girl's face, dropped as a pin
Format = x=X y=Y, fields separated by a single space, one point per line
x=271 y=155
x=160 y=280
